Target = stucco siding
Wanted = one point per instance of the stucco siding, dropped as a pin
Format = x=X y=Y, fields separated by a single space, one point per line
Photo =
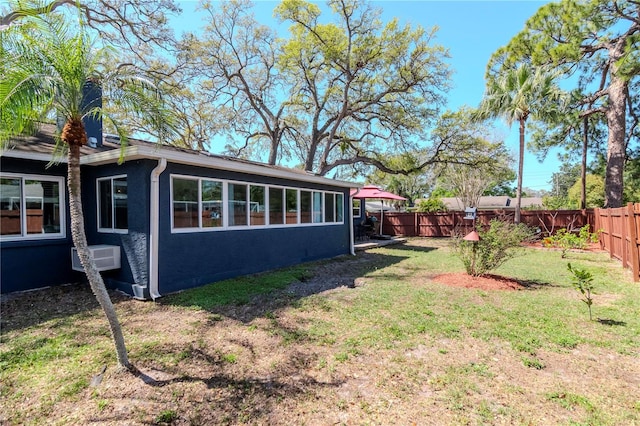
x=134 y=248
x=30 y=264
x=185 y=259
x=196 y=258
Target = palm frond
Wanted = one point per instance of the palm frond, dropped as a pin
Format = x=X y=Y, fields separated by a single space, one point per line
x=45 y=63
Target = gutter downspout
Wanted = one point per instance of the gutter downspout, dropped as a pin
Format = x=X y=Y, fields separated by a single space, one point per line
x=154 y=227
x=351 y=233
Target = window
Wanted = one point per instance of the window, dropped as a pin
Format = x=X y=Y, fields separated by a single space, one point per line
x=211 y=204
x=292 y=206
x=201 y=204
x=185 y=203
x=339 y=208
x=329 y=207
x=257 y=205
x=356 y=207
x=197 y=203
x=276 y=206
x=112 y=204
x=317 y=207
x=238 y=204
x=305 y=206
x=31 y=207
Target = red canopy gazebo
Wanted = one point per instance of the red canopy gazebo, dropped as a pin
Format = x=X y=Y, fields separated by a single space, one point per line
x=376 y=193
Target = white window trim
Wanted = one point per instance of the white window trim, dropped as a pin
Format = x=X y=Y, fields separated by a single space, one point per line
x=359 y=208
x=337 y=195
x=225 y=200
x=199 y=228
x=225 y=197
x=23 y=223
x=266 y=204
x=297 y=191
x=111 y=230
x=310 y=207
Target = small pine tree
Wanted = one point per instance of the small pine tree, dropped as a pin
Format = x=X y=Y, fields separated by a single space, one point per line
x=583 y=282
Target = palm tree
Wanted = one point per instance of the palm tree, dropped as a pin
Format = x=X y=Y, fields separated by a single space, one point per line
x=518 y=94
x=45 y=65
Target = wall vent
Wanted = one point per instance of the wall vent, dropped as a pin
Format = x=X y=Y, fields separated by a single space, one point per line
x=106 y=257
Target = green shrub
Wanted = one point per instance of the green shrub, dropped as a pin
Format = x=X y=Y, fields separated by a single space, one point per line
x=431 y=205
x=565 y=240
x=498 y=243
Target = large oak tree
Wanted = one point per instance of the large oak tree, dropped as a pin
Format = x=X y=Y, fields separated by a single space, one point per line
x=363 y=88
x=233 y=62
x=342 y=90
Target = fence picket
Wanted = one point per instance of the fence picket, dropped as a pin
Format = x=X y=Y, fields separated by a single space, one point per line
x=443 y=224
x=633 y=239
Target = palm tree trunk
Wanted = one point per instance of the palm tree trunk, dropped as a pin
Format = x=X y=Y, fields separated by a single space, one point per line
x=520 y=167
x=79 y=238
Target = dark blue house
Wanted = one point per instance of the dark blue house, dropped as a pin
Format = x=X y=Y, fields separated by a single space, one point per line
x=165 y=219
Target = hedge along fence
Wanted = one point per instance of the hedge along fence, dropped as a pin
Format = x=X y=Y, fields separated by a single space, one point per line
x=619 y=230
x=444 y=224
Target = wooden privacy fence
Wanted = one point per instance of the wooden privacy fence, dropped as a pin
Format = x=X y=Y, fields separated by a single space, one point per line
x=619 y=230
x=443 y=224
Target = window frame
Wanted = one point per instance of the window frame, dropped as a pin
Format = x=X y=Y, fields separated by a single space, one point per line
x=62 y=211
x=265 y=204
x=113 y=229
x=231 y=207
x=199 y=227
x=358 y=209
x=291 y=220
x=267 y=188
x=283 y=200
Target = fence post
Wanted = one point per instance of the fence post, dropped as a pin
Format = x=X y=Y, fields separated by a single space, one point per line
x=635 y=258
x=453 y=220
x=611 y=249
x=626 y=249
x=597 y=227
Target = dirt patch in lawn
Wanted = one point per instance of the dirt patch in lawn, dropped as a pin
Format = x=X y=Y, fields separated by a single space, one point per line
x=485 y=282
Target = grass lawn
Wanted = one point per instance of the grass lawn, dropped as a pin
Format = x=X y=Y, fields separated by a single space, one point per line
x=370 y=339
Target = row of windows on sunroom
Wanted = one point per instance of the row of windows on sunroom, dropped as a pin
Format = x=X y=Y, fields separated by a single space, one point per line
x=200 y=203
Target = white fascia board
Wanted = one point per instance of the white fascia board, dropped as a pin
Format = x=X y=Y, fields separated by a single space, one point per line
x=143 y=152
x=37 y=156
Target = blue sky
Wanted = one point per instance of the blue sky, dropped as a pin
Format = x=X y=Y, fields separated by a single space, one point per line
x=471 y=30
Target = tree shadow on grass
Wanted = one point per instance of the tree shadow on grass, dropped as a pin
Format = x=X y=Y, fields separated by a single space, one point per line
x=611 y=322
x=534 y=284
x=324 y=276
x=27 y=309
x=406 y=248
x=234 y=395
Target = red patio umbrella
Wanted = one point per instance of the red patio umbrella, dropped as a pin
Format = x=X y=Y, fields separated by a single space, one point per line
x=372 y=191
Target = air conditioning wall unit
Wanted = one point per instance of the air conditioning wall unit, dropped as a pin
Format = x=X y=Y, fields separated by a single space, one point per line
x=107 y=257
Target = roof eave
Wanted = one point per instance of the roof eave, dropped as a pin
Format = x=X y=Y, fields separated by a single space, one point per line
x=141 y=152
x=37 y=156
